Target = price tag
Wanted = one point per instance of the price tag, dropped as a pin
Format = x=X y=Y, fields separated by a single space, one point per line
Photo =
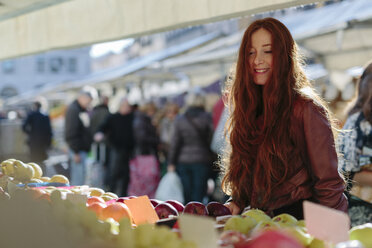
x=326 y=223
x=142 y=210
x=198 y=229
x=75 y=198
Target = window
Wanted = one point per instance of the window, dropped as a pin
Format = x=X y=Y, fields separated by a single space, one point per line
x=40 y=65
x=56 y=65
x=72 y=65
x=8 y=66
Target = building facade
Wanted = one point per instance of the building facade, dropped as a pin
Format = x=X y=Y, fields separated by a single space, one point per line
x=22 y=74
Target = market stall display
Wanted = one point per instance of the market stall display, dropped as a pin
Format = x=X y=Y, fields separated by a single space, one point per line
x=39 y=214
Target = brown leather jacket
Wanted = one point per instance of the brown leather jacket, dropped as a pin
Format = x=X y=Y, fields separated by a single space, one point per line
x=315 y=176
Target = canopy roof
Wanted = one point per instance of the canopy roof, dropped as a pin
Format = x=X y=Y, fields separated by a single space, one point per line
x=339 y=34
x=33 y=26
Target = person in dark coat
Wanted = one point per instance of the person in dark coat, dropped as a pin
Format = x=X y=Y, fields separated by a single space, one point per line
x=145 y=133
x=189 y=152
x=101 y=150
x=78 y=136
x=118 y=128
x=38 y=128
x=99 y=114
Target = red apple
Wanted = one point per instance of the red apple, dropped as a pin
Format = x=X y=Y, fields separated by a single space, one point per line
x=122 y=199
x=164 y=210
x=217 y=209
x=177 y=205
x=155 y=202
x=195 y=207
x=176 y=225
x=272 y=239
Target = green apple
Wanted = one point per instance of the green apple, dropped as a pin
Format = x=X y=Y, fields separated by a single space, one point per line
x=256 y=214
x=301 y=223
x=240 y=224
x=285 y=220
x=298 y=233
x=318 y=243
x=264 y=225
x=363 y=233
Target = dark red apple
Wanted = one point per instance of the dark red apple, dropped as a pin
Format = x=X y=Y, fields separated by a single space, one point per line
x=195 y=207
x=177 y=205
x=122 y=199
x=155 y=202
x=272 y=239
x=164 y=210
x=217 y=209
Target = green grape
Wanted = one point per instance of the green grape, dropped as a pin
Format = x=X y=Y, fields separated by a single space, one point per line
x=143 y=235
x=188 y=244
x=126 y=236
x=114 y=225
x=56 y=197
x=88 y=219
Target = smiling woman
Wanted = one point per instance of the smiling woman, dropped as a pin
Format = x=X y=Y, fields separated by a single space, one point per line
x=282 y=147
x=260 y=56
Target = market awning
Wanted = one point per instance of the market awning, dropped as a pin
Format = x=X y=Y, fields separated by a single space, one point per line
x=11 y=8
x=339 y=34
x=83 y=22
x=114 y=73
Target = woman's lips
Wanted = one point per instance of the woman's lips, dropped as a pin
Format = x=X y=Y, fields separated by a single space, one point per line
x=261 y=70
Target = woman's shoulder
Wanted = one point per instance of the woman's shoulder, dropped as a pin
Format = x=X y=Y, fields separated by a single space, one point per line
x=309 y=110
x=302 y=105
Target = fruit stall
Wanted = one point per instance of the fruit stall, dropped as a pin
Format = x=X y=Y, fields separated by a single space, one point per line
x=38 y=211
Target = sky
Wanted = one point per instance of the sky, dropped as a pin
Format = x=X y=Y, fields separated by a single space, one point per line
x=101 y=49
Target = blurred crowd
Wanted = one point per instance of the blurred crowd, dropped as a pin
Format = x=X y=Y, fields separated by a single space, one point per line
x=136 y=145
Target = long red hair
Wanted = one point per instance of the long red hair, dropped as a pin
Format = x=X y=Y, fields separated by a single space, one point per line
x=257 y=159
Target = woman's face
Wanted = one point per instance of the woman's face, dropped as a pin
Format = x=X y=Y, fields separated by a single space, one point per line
x=260 y=56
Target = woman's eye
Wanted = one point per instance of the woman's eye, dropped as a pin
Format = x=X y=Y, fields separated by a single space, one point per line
x=268 y=51
x=250 y=53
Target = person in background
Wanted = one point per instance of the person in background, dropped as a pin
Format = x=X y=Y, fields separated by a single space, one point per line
x=189 y=152
x=39 y=131
x=281 y=145
x=166 y=127
x=99 y=114
x=145 y=133
x=78 y=136
x=101 y=149
x=355 y=143
x=118 y=128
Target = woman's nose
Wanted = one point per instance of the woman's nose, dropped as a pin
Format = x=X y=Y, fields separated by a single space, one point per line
x=258 y=59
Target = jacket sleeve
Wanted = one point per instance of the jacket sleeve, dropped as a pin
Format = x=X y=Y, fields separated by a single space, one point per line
x=105 y=126
x=49 y=131
x=72 y=133
x=175 y=143
x=26 y=125
x=328 y=185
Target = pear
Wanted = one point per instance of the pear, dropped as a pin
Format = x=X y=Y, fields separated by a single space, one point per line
x=37 y=169
x=363 y=233
x=59 y=179
x=257 y=214
x=285 y=220
x=303 y=237
x=7 y=167
x=23 y=172
x=240 y=224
